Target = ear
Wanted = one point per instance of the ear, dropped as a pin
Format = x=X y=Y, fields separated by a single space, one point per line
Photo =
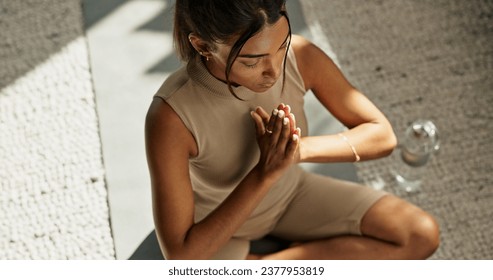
x=199 y=45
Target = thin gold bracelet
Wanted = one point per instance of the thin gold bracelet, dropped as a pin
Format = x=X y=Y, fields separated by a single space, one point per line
x=351 y=146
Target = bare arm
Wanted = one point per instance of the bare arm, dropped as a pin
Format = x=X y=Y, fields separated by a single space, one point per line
x=369 y=131
x=169 y=146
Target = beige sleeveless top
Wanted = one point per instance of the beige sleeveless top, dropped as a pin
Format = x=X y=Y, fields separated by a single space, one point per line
x=225 y=135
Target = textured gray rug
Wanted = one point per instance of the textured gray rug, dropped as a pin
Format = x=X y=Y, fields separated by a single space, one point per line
x=428 y=59
x=53 y=199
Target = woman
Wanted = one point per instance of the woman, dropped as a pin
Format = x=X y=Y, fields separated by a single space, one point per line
x=224 y=171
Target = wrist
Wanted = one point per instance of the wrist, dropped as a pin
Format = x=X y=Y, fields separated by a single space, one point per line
x=262 y=177
x=302 y=150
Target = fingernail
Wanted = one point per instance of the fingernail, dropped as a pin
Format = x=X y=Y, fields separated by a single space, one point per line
x=285 y=121
x=289 y=108
x=275 y=112
x=280 y=114
x=295 y=137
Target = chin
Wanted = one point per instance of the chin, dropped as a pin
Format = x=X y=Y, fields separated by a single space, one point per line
x=260 y=90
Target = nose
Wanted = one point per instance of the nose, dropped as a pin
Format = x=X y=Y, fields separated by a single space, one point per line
x=272 y=69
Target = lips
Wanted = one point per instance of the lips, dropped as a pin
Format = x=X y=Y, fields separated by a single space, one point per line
x=268 y=84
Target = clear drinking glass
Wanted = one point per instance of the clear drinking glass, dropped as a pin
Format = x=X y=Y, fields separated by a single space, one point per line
x=415 y=150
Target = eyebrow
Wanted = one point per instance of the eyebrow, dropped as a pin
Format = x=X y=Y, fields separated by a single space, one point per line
x=262 y=54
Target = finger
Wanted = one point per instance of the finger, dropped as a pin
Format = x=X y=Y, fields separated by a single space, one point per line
x=287 y=109
x=293 y=145
x=277 y=128
x=272 y=120
x=292 y=122
x=263 y=114
x=298 y=132
x=259 y=124
x=285 y=134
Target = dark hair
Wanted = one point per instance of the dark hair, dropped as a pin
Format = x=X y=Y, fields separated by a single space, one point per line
x=218 y=21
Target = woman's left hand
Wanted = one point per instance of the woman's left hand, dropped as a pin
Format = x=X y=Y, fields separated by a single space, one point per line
x=265 y=122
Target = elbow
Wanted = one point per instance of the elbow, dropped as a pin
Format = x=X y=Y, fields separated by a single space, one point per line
x=181 y=253
x=171 y=251
x=171 y=256
x=173 y=248
x=177 y=254
x=389 y=142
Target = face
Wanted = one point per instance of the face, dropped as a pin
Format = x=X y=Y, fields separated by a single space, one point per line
x=259 y=63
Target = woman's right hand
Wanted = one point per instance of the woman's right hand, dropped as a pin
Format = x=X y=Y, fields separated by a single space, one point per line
x=277 y=139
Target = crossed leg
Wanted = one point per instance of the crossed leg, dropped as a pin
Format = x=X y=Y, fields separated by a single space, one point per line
x=391 y=229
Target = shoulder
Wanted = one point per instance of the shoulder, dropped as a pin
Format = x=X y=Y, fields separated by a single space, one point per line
x=298 y=41
x=307 y=55
x=164 y=128
x=311 y=60
x=161 y=116
x=303 y=49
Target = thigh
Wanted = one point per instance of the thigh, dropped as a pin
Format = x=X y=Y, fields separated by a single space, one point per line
x=324 y=207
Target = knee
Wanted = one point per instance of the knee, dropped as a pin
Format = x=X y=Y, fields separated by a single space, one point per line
x=424 y=237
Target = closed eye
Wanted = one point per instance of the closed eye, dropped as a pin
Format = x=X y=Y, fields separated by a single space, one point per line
x=251 y=64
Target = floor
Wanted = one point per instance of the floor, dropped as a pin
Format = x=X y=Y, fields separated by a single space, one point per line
x=427 y=59
x=53 y=198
